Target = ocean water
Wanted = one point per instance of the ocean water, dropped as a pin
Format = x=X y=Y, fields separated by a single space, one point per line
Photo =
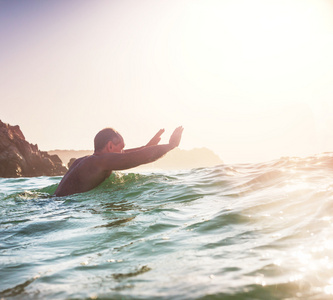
x=241 y=231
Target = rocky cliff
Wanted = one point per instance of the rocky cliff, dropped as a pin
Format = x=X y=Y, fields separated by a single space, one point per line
x=18 y=158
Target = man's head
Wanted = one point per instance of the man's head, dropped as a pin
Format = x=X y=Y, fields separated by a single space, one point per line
x=108 y=140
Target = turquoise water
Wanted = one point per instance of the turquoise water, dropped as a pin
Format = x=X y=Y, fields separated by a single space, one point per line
x=242 y=231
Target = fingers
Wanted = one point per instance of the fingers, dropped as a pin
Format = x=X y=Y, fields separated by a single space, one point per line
x=159 y=133
x=179 y=129
x=156 y=139
x=176 y=137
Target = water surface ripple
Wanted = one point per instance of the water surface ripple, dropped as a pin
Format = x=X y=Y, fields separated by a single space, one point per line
x=242 y=231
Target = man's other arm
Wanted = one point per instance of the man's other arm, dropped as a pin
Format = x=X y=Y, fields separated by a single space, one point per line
x=153 y=142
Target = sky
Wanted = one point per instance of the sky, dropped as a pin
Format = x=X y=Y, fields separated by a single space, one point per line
x=250 y=80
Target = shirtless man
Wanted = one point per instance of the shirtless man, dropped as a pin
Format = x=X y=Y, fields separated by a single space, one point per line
x=88 y=172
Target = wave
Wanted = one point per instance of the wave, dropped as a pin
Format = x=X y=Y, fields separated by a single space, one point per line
x=241 y=231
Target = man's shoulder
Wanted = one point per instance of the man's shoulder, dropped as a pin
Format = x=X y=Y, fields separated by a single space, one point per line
x=88 y=159
x=79 y=161
x=91 y=160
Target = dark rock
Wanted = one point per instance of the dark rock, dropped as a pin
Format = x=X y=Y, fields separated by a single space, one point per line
x=18 y=158
x=71 y=161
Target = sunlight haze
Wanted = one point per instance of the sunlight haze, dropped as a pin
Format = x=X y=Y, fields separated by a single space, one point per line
x=250 y=80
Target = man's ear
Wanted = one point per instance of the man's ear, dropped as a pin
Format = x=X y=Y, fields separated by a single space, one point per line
x=109 y=146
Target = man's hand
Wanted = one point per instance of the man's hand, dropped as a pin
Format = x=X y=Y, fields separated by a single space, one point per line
x=176 y=137
x=156 y=139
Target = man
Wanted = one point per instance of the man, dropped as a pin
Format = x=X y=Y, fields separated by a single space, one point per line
x=88 y=172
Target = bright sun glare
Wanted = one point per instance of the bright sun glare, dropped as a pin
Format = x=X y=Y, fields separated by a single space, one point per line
x=264 y=56
x=259 y=45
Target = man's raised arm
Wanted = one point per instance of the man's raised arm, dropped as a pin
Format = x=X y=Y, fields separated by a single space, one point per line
x=153 y=142
x=143 y=155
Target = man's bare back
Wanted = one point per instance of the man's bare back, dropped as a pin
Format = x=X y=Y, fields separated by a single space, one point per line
x=88 y=172
x=81 y=177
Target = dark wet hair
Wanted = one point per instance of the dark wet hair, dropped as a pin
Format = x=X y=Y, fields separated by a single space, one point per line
x=104 y=136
